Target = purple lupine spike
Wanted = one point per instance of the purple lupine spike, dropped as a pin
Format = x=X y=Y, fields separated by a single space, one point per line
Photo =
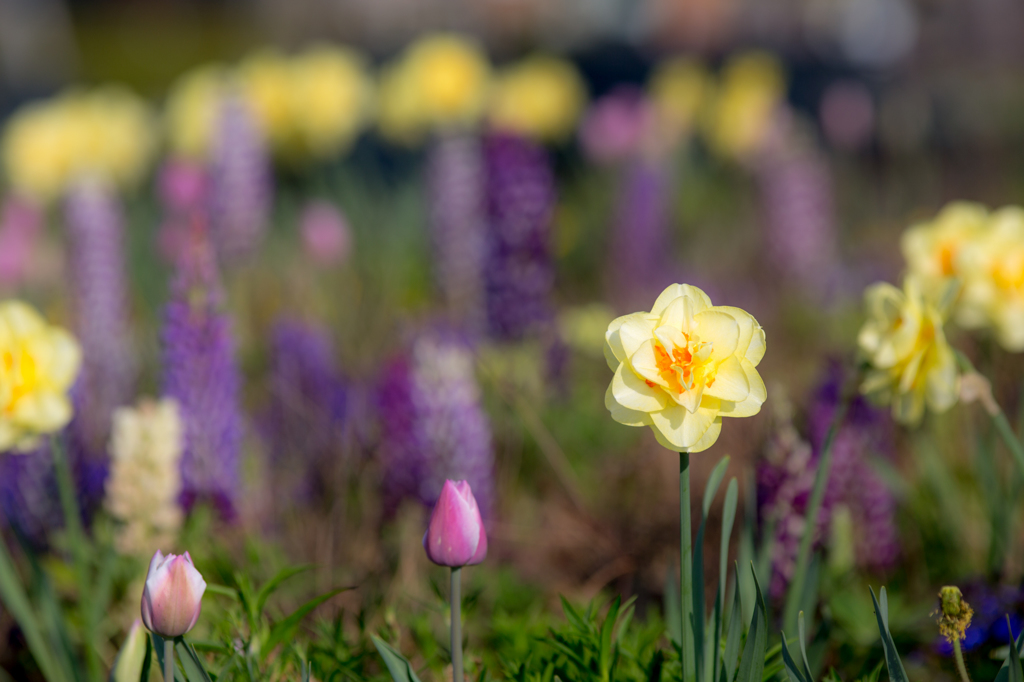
x=29 y=503
x=21 y=221
x=434 y=427
x=786 y=478
x=866 y=433
x=795 y=184
x=457 y=226
x=95 y=224
x=201 y=374
x=308 y=405
x=520 y=204
x=638 y=263
x=240 y=186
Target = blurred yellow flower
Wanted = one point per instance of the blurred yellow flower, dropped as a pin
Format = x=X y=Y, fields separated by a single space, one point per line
x=191 y=109
x=332 y=96
x=441 y=80
x=751 y=88
x=38 y=364
x=540 y=97
x=683 y=366
x=106 y=132
x=265 y=79
x=933 y=250
x=992 y=268
x=680 y=88
x=911 y=363
x=145 y=480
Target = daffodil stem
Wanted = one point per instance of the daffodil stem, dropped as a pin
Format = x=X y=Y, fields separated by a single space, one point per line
x=76 y=538
x=686 y=570
x=1009 y=438
x=168 y=660
x=959 y=656
x=458 y=674
x=796 y=585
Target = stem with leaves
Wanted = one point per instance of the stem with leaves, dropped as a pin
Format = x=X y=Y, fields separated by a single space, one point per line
x=959 y=656
x=458 y=674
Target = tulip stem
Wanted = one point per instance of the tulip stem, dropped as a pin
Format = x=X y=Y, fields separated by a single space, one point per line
x=168 y=660
x=686 y=570
x=457 y=670
x=796 y=586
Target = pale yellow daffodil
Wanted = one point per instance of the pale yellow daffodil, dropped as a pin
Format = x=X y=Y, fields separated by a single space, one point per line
x=934 y=249
x=38 y=365
x=683 y=366
x=540 y=97
x=911 y=363
x=992 y=268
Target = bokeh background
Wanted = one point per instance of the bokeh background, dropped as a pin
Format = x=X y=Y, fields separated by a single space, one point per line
x=395 y=297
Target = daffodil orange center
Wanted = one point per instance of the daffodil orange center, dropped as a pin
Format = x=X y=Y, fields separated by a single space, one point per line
x=678 y=366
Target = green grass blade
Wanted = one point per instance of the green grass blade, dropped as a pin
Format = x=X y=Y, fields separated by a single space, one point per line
x=733 y=635
x=193 y=666
x=399 y=667
x=714 y=480
x=752 y=662
x=698 y=615
x=283 y=629
x=728 y=519
x=1004 y=672
x=670 y=608
x=892 y=658
x=275 y=582
x=802 y=634
x=793 y=670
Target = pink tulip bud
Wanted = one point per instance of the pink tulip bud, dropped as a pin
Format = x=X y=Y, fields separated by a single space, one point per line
x=456 y=535
x=173 y=595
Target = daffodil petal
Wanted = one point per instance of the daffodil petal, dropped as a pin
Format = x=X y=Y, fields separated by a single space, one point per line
x=720 y=329
x=682 y=428
x=622 y=414
x=674 y=291
x=634 y=393
x=731 y=382
x=645 y=363
x=634 y=331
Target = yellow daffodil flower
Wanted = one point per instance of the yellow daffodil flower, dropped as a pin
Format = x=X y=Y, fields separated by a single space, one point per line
x=752 y=86
x=541 y=97
x=106 y=132
x=911 y=363
x=683 y=366
x=933 y=250
x=191 y=110
x=680 y=88
x=38 y=364
x=992 y=267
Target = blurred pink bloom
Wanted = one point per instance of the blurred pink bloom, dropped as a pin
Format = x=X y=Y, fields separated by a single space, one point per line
x=326 y=236
x=617 y=125
x=456 y=535
x=20 y=223
x=182 y=185
x=172 y=598
x=848 y=114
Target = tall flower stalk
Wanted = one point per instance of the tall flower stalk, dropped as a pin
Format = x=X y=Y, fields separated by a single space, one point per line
x=457 y=225
x=201 y=374
x=95 y=223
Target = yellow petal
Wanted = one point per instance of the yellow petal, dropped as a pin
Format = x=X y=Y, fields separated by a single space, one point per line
x=65 y=359
x=941 y=389
x=678 y=315
x=681 y=428
x=622 y=414
x=674 y=291
x=633 y=393
x=710 y=436
x=43 y=411
x=730 y=382
x=21 y=319
x=634 y=331
x=750 y=405
x=750 y=343
x=645 y=363
x=720 y=329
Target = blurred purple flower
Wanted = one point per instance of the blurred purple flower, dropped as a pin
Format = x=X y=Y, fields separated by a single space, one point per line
x=95 y=224
x=795 y=183
x=638 y=261
x=457 y=226
x=617 y=125
x=29 y=502
x=21 y=221
x=308 y=406
x=326 y=235
x=786 y=478
x=240 y=189
x=520 y=204
x=201 y=374
x=182 y=186
x=433 y=425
